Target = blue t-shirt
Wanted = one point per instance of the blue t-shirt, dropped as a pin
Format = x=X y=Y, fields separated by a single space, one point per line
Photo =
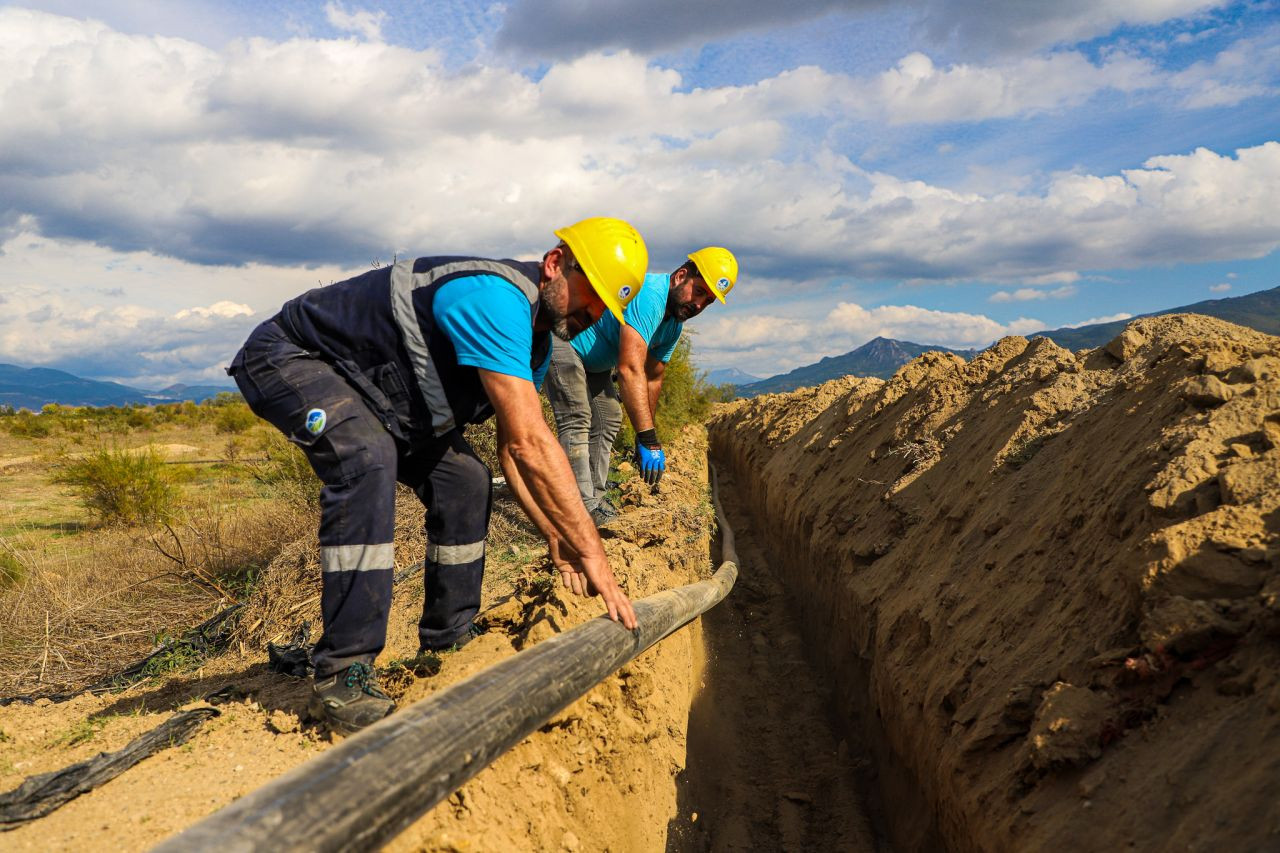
x=646 y=313
x=490 y=323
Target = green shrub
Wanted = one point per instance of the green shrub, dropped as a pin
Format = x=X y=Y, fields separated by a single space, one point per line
x=25 y=424
x=12 y=570
x=121 y=486
x=140 y=418
x=285 y=468
x=686 y=397
x=234 y=417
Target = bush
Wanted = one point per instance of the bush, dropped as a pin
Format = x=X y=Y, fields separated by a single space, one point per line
x=285 y=468
x=234 y=417
x=27 y=425
x=12 y=570
x=121 y=486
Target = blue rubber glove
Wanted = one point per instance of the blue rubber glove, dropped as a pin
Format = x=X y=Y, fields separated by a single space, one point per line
x=649 y=457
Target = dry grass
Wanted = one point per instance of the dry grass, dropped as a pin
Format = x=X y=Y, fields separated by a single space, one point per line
x=85 y=610
x=79 y=603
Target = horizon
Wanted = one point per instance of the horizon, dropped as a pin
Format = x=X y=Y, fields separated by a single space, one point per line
x=945 y=172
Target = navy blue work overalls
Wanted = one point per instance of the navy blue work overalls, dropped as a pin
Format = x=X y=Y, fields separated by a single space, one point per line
x=357 y=375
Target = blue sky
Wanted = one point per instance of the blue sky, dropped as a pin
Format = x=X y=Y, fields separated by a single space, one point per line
x=942 y=171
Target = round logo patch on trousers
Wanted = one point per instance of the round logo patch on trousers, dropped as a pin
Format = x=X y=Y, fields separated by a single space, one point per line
x=315 y=421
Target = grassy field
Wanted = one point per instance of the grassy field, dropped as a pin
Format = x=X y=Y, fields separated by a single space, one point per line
x=83 y=592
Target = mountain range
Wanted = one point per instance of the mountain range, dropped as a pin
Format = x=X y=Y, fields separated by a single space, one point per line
x=881 y=357
x=34 y=387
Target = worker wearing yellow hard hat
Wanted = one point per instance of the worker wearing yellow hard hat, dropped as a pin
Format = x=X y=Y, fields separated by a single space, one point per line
x=374 y=379
x=637 y=346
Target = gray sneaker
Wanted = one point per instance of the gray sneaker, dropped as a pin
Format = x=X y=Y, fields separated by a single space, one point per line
x=604 y=515
x=350 y=700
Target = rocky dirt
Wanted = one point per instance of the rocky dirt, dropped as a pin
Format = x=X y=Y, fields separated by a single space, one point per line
x=1045 y=585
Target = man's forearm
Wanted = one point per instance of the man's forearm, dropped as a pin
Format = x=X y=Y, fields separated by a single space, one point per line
x=539 y=476
x=635 y=398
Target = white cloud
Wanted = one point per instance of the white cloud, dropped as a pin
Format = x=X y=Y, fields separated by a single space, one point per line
x=1219 y=288
x=140 y=319
x=918 y=91
x=766 y=344
x=359 y=21
x=1093 y=321
x=1029 y=294
x=1246 y=69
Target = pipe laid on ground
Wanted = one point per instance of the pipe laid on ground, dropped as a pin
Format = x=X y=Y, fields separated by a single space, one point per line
x=364 y=791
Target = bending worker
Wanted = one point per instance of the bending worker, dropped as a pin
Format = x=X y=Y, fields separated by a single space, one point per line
x=580 y=385
x=376 y=376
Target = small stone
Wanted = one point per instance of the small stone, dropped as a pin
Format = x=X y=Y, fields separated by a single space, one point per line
x=1207 y=391
x=1243 y=451
x=1068 y=727
x=570 y=842
x=1271 y=432
x=1124 y=345
x=1257 y=369
x=1219 y=361
x=282 y=722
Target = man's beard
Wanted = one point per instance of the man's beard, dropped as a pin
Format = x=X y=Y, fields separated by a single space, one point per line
x=560 y=328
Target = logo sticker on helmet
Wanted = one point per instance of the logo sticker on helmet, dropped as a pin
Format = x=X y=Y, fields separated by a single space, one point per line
x=315 y=421
x=624 y=292
x=723 y=284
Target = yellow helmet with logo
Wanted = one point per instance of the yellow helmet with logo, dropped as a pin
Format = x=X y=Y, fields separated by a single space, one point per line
x=718 y=268
x=613 y=256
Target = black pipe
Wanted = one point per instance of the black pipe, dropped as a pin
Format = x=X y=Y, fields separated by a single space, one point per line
x=362 y=792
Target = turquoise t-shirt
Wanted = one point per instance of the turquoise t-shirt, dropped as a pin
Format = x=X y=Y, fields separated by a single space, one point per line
x=646 y=313
x=490 y=323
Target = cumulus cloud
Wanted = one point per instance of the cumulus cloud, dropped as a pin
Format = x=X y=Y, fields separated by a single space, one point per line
x=766 y=344
x=1093 y=321
x=143 y=320
x=313 y=151
x=1219 y=288
x=133 y=343
x=1030 y=294
x=916 y=90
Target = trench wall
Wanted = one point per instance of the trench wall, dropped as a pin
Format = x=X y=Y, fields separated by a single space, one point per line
x=1044 y=583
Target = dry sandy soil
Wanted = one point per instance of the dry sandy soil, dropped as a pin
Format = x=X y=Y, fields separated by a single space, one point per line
x=1045 y=585
x=610 y=772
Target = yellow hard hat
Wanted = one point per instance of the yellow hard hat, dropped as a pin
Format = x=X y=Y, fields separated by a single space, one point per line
x=718 y=268
x=613 y=256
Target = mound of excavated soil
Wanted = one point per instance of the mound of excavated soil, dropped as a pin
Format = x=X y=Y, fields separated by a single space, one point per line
x=1047 y=584
x=600 y=775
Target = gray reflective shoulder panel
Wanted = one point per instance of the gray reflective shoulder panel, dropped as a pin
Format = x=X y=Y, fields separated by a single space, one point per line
x=404 y=281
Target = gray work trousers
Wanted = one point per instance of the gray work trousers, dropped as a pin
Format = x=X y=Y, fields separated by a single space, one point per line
x=588 y=416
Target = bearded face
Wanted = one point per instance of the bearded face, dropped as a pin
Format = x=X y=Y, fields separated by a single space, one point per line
x=556 y=301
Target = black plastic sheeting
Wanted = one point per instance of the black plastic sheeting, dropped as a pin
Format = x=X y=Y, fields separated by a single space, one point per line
x=293 y=658
x=41 y=794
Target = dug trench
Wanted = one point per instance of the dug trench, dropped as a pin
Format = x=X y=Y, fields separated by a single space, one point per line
x=1044 y=586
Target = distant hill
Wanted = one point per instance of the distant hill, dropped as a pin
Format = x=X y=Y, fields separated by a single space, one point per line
x=1259 y=311
x=33 y=387
x=879 y=357
x=730 y=376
